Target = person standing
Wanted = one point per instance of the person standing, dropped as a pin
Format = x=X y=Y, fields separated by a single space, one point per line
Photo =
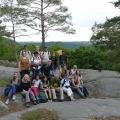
x=28 y=53
x=53 y=58
x=63 y=59
x=45 y=55
x=24 y=65
x=36 y=65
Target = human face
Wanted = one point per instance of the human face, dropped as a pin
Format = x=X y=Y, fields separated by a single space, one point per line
x=56 y=77
x=37 y=48
x=25 y=47
x=23 y=54
x=45 y=79
x=37 y=77
x=26 y=78
x=15 y=74
x=36 y=55
x=53 y=54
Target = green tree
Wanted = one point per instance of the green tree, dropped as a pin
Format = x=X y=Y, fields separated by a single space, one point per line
x=46 y=15
x=107 y=35
x=12 y=15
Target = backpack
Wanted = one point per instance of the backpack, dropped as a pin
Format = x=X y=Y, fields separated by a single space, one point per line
x=42 y=97
x=64 y=82
x=47 y=51
x=7 y=89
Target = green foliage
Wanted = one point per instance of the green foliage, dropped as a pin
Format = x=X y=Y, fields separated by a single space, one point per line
x=40 y=114
x=3 y=82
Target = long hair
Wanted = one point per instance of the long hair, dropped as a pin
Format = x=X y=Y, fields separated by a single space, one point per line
x=26 y=75
x=44 y=81
x=14 y=76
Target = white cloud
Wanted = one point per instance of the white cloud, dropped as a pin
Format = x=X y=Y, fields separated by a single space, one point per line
x=84 y=14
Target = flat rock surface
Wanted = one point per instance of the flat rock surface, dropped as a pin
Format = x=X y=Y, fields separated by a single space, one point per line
x=76 y=110
x=106 y=83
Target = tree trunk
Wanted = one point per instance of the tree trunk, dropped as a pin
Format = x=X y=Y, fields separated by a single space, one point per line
x=15 y=45
x=42 y=25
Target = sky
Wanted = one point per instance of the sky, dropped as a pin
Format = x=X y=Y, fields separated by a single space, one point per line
x=84 y=14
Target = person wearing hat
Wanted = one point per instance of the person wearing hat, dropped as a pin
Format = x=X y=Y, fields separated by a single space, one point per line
x=28 y=53
x=36 y=65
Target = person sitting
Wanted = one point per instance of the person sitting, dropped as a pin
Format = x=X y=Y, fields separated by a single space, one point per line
x=72 y=71
x=35 y=86
x=45 y=87
x=62 y=72
x=26 y=90
x=83 y=89
x=56 y=86
x=75 y=86
x=46 y=70
x=66 y=87
x=15 y=85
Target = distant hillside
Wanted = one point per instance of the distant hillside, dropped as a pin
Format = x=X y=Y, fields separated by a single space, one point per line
x=73 y=44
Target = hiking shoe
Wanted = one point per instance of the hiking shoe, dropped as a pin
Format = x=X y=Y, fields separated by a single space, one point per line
x=27 y=104
x=13 y=97
x=7 y=102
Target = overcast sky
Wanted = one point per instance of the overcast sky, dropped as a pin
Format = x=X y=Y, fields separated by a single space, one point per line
x=84 y=14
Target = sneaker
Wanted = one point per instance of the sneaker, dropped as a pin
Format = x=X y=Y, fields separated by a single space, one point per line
x=27 y=104
x=7 y=102
x=72 y=99
x=14 y=97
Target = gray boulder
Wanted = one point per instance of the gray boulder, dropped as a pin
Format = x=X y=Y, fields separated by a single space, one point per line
x=105 y=83
x=3 y=107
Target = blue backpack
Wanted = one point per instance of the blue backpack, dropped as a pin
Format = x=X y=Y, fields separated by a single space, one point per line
x=42 y=97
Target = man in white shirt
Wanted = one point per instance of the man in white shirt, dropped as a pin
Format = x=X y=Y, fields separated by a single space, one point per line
x=45 y=55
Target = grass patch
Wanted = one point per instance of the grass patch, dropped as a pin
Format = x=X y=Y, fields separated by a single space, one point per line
x=40 y=114
x=3 y=82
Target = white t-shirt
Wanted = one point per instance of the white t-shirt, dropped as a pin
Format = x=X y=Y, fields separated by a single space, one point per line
x=67 y=82
x=37 y=82
x=45 y=55
x=36 y=60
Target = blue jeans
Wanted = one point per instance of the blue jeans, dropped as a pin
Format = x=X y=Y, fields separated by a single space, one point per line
x=35 y=72
x=78 y=90
x=12 y=91
x=84 y=90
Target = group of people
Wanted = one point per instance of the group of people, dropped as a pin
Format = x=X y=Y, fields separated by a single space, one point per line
x=45 y=78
